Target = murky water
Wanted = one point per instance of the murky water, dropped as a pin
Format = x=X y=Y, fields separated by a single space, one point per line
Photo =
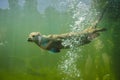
x=20 y=60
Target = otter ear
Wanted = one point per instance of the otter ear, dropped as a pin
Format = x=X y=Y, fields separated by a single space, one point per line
x=38 y=33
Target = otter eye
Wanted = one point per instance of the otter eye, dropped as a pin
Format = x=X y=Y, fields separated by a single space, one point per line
x=33 y=36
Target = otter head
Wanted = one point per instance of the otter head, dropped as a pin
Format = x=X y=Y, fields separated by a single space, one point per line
x=34 y=37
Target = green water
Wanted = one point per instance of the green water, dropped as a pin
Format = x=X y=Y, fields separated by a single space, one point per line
x=20 y=60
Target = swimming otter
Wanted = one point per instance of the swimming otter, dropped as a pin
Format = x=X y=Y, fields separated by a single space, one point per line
x=53 y=43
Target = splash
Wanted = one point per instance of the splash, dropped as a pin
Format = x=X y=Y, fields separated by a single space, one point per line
x=82 y=17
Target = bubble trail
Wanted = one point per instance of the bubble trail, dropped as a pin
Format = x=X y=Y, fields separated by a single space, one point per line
x=82 y=16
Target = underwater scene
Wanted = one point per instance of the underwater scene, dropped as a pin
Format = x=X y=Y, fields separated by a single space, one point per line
x=59 y=39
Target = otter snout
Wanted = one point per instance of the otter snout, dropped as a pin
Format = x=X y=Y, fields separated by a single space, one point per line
x=29 y=40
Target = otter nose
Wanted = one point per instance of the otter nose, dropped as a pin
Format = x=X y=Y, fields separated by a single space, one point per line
x=29 y=39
